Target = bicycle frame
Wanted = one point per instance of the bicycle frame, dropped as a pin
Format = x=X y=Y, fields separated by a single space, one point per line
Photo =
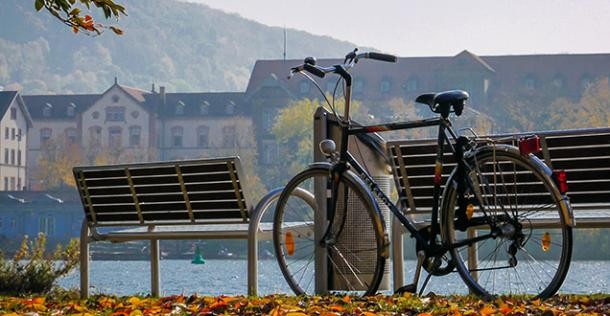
x=444 y=137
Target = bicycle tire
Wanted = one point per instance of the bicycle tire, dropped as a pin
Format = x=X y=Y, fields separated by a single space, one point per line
x=295 y=239
x=535 y=228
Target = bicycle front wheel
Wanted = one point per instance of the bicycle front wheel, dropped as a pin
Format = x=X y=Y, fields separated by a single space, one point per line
x=349 y=242
x=518 y=206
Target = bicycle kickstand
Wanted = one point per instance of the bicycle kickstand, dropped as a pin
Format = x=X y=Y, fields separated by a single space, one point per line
x=412 y=288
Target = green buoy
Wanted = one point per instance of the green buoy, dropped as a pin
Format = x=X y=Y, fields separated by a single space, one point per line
x=198 y=259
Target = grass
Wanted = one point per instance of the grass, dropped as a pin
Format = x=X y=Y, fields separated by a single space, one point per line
x=67 y=303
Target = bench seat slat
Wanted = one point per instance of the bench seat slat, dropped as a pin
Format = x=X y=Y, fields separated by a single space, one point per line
x=169 y=206
x=167 y=188
x=152 y=198
x=577 y=140
x=176 y=217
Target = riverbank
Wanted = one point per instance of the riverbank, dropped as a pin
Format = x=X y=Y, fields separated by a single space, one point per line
x=67 y=303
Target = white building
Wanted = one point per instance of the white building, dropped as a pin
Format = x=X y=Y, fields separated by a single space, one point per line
x=15 y=121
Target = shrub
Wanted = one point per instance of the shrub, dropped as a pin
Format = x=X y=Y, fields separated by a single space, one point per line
x=31 y=271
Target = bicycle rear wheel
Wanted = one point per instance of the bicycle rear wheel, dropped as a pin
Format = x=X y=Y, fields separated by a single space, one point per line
x=352 y=244
x=517 y=201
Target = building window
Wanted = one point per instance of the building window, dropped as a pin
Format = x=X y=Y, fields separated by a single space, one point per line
x=13 y=113
x=115 y=98
x=411 y=85
x=6 y=153
x=7 y=132
x=45 y=135
x=268 y=119
x=115 y=114
x=19 y=157
x=95 y=115
x=270 y=152
x=558 y=81
x=230 y=109
x=5 y=183
x=114 y=137
x=47 y=225
x=177 y=133
x=95 y=135
x=204 y=108
x=385 y=86
x=358 y=86
x=585 y=82
x=13 y=134
x=530 y=82
x=12 y=183
x=70 y=110
x=134 y=135
x=229 y=137
x=180 y=108
x=203 y=136
x=19 y=134
x=12 y=157
x=46 y=111
x=71 y=136
x=304 y=87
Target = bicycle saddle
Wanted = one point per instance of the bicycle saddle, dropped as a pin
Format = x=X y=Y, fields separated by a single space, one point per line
x=443 y=102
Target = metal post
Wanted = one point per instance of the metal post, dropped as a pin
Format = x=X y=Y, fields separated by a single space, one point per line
x=473 y=255
x=321 y=266
x=84 y=260
x=326 y=127
x=154 y=267
x=397 y=253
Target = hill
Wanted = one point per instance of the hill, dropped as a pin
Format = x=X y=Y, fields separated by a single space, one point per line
x=185 y=46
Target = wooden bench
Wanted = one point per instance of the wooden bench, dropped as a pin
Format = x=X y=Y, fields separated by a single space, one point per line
x=584 y=154
x=190 y=199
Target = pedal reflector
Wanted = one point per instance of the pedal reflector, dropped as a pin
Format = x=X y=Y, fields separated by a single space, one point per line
x=289 y=242
x=469 y=210
x=546 y=242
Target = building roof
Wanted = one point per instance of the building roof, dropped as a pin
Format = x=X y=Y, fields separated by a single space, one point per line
x=58 y=104
x=7 y=98
x=507 y=72
x=217 y=104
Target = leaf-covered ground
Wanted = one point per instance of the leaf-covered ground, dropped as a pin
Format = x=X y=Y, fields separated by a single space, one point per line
x=309 y=305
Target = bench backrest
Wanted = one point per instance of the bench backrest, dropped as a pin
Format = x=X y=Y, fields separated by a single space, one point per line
x=163 y=193
x=583 y=154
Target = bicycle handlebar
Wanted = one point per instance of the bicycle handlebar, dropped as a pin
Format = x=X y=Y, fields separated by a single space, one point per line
x=350 y=59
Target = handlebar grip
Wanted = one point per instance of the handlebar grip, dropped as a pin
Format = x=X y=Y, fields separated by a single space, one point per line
x=313 y=70
x=383 y=57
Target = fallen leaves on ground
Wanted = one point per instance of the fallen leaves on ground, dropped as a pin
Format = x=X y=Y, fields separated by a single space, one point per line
x=407 y=304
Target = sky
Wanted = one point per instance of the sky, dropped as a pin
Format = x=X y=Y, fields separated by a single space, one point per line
x=442 y=28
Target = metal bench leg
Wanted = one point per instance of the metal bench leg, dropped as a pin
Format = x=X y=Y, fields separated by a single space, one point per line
x=154 y=267
x=84 y=260
x=255 y=220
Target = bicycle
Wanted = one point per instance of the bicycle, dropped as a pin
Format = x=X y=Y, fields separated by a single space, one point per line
x=502 y=219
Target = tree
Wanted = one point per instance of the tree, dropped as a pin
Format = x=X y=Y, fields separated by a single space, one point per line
x=54 y=168
x=70 y=13
x=592 y=110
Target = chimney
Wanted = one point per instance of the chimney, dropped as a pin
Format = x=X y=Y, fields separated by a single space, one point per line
x=153 y=88
x=162 y=94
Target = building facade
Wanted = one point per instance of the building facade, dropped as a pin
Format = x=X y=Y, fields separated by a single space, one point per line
x=15 y=123
x=130 y=124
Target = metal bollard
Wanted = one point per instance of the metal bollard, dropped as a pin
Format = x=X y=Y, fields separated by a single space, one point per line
x=325 y=127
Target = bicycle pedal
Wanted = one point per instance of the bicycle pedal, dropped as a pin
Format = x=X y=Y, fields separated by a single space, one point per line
x=410 y=288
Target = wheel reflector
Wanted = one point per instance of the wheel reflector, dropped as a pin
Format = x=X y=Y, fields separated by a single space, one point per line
x=289 y=242
x=546 y=242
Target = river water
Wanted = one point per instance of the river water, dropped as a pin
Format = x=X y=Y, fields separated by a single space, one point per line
x=229 y=277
